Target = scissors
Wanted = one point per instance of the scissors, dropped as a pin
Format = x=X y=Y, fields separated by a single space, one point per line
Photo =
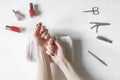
x=97 y=24
x=95 y=10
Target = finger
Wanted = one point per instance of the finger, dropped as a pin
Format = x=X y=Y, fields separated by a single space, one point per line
x=46 y=36
x=42 y=29
x=44 y=33
x=51 y=41
x=49 y=53
x=50 y=49
x=50 y=46
x=40 y=24
x=37 y=30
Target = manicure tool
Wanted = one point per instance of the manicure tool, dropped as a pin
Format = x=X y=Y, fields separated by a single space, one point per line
x=95 y=10
x=97 y=24
x=97 y=58
x=104 y=39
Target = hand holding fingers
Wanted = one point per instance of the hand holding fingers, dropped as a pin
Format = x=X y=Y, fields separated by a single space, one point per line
x=50 y=47
x=55 y=50
x=50 y=53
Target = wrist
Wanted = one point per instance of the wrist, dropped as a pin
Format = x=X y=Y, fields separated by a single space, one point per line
x=62 y=63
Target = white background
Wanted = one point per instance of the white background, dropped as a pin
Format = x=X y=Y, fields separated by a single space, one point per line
x=62 y=17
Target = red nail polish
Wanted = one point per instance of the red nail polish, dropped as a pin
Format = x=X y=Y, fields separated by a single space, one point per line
x=32 y=11
x=14 y=28
x=40 y=23
x=54 y=38
x=53 y=42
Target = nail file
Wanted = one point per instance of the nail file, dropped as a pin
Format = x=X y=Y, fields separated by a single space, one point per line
x=104 y=39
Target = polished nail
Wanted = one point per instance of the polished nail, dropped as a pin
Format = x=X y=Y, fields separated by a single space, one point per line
x=54 y=38
x=52 y=54
x=36 y=24
x=52 y=41
x=40 y=23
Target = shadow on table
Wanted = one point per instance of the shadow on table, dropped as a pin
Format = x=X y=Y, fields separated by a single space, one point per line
x=37 y=10
x=78 y=61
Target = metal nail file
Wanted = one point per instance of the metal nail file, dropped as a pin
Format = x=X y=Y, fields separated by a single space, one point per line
x=104 y=39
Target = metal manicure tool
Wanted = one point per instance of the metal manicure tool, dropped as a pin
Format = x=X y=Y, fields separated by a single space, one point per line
x=98 y=58
x=104 y=39
x=98 y=24
x=95 y=10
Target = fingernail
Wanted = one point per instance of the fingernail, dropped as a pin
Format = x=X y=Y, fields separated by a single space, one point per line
x=52 y=54
x=44 y=27
x=40 y=23
x=54 y=38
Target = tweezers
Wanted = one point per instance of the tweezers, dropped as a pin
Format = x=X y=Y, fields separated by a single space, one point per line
x=98 y=58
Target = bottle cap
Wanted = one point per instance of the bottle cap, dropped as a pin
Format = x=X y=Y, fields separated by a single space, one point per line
x=8 y=27
x=31 y=5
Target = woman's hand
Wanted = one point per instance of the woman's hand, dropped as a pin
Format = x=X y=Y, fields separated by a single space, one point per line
x=42 y=34
x=55 y=50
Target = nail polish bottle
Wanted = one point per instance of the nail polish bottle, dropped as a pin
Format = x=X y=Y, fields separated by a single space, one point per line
x=14 y=28
x=32 y=11
x=18 y=15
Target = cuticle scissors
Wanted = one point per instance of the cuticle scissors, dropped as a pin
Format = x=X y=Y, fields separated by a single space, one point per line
x=95 y=10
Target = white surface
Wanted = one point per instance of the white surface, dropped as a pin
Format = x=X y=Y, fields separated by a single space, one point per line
x=62 y=17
